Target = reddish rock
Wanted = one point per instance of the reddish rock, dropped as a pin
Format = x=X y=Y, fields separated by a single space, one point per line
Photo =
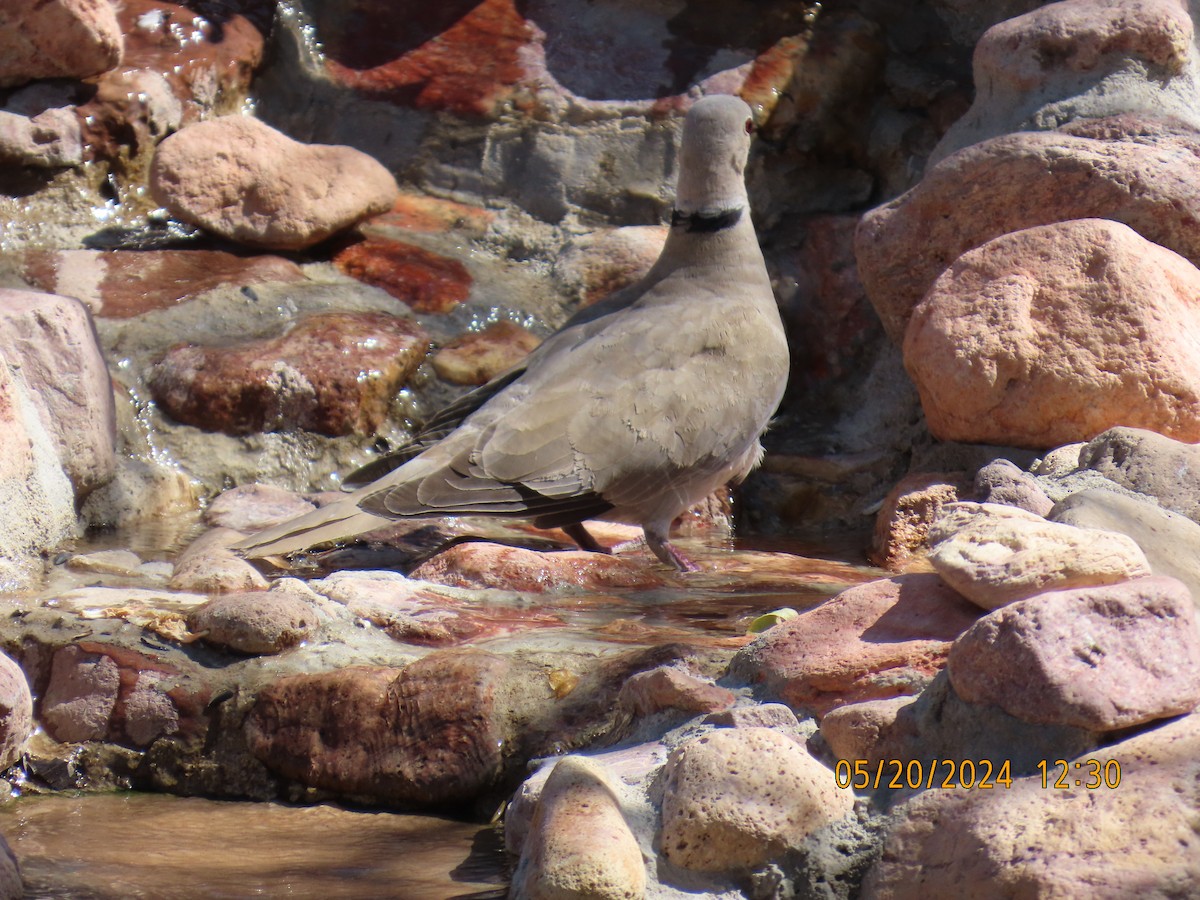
x=52 y=342
x=479 y=356
x=245 y=181
x=101 y=693
x=414 y=612
x=1144 y=173
x=1135 y=839
x=484 y=565
x=463 y=57
x=432 y=733
x=58 y=39
x=1100 y=658
x=180 y=65
x=832 y=330
x=425 y=281
x=877 y=640
x=39 y=505
x=1027 y=340
x=119 y=284
x=253 y=507
x=16 y=711
x=333 y=373
x=908 y=512
x=668 y=688
x=857 y=730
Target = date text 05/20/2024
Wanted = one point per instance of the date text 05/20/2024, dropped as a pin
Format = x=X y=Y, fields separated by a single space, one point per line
x=984 y=774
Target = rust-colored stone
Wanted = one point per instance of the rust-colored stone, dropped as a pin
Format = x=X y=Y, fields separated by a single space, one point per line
x=461 y=57
x=129 y=283
x=881 y=639
x=425 y=281
x=334 y=373
x=430 y=733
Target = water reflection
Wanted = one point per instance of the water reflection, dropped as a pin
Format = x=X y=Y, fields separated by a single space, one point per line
x=106 y=846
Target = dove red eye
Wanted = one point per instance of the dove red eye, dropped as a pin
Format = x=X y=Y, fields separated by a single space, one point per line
x=749 y=126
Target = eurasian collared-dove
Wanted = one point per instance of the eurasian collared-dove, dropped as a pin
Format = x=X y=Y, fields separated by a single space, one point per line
x=632 y=415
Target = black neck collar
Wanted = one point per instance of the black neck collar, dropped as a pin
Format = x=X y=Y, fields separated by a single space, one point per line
x=706 y=222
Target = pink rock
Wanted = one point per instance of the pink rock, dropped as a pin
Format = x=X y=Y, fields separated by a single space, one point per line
x=253 y=507
x=208 y=566
x=53 y=342
x=1025 y=341
x=669 y=688
x=148 y=710
x=121 y=284
x=433 y=215
x=1099 y=658
x=1112 y=168
x=579 y=843
x=39 y=508
x=333 y=373
x=49 y=140
x=57 y=39
x=1136 y=839
x=16 y=711
x=477 y=357
x=248 y=182
x=483 y=565
x=908 y=511
x=857 y=730
x=877 y=640
x=80 y=696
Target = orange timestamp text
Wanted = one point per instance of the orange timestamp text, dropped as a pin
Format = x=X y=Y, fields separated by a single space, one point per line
x=983 y=774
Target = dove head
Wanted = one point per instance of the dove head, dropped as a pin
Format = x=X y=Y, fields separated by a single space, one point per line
x=712 y=156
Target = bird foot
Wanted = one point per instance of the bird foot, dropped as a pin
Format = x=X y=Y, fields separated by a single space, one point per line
x=669 y=553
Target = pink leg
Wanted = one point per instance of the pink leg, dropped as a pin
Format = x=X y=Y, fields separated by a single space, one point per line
x=668 y=553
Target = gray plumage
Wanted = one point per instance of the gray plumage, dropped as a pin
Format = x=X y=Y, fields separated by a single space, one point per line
x=630 y=413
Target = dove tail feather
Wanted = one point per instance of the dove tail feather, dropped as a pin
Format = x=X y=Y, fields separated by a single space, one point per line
x=335 y=522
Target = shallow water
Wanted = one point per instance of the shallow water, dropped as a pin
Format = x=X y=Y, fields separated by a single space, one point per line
x=160 y=847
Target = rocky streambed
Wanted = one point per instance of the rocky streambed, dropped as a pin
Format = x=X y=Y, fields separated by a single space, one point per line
x=246 y=248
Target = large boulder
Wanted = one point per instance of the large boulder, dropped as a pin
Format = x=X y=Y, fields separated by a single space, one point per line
x=1080 y=59
x=58 y=39
x=1142 y=172
x=1098 y=658
x=52 y=341
x=1028 y=339
x=243 y=180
